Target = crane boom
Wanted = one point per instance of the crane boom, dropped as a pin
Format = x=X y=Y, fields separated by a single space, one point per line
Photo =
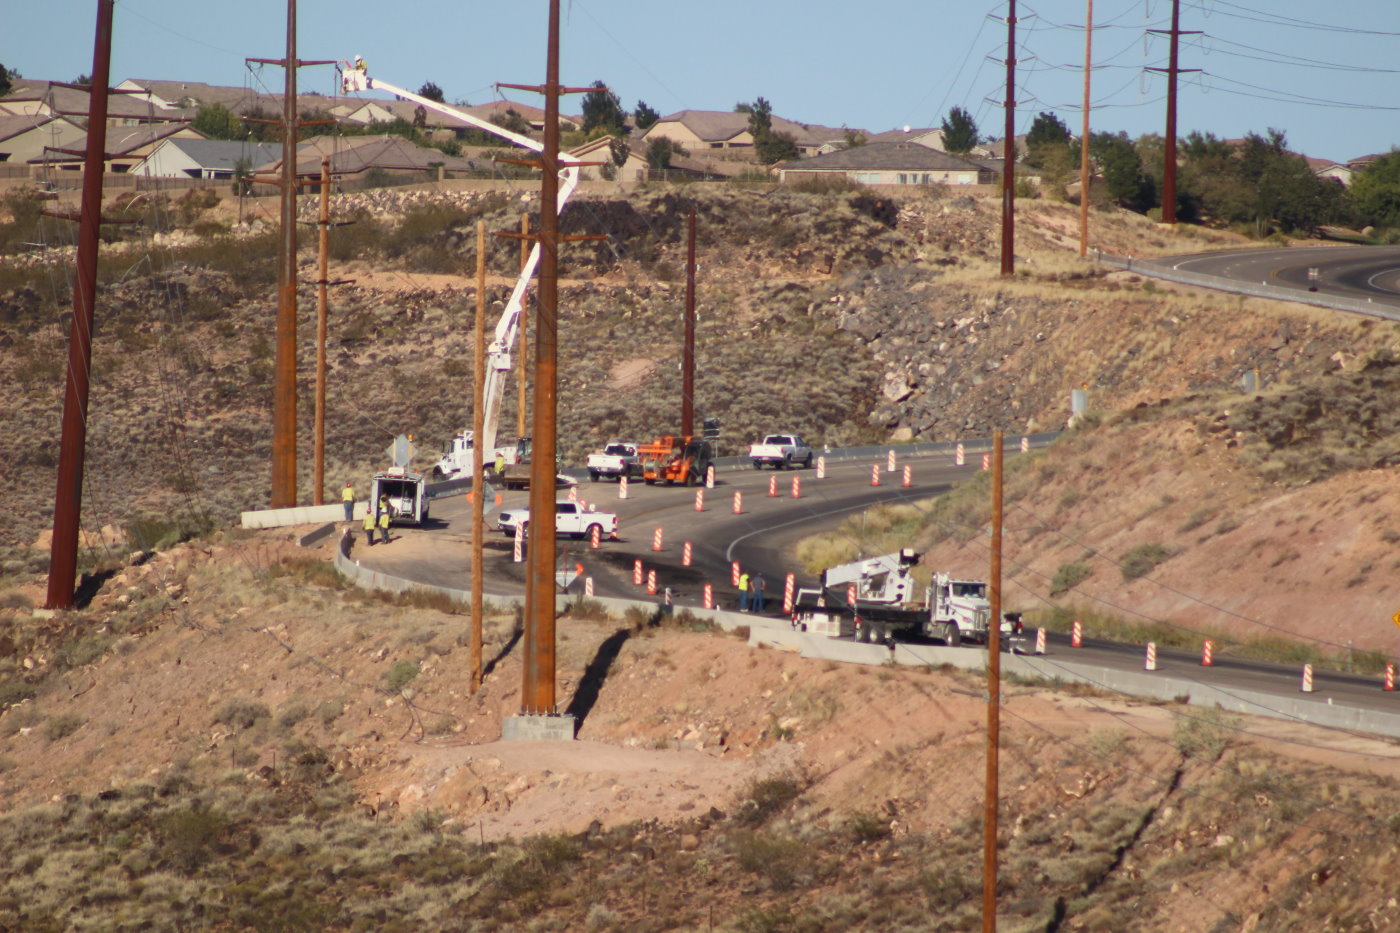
x=498 y=353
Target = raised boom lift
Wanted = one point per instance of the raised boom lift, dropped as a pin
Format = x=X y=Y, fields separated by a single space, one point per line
x=354 y=78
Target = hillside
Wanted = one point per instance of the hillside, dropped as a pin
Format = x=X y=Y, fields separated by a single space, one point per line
x=226 y=737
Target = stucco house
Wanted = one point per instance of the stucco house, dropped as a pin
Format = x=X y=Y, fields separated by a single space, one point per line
x=634 y=168
x=182 y=157
x=698 y=130
x=25 y=138
x=898 y=163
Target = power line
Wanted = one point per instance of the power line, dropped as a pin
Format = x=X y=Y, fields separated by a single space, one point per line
x=1272 y=19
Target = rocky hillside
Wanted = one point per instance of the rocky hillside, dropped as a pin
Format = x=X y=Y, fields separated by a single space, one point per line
x=228 y=738
x=847 y=316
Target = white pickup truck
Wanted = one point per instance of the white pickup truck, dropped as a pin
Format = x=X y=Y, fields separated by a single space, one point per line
x=569 y=519
x=616 y=460
x=781 y=450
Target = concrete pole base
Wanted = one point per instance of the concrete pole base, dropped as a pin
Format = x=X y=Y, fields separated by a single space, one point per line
x=534 y=728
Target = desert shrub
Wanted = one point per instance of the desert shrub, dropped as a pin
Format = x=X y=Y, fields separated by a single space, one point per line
x=764 y=797
x=1142 y=560
x=241 y=713
x=868 y=827
x=783 y=860
x=1203 y=734
x=1068 y=576
x=60 y=727
x=190 y=835
x=401 y=674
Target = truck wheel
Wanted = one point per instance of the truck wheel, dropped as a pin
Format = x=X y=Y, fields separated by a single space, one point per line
x=758 y=464
x=807 y=464
x=593 y=476
x=953 y=636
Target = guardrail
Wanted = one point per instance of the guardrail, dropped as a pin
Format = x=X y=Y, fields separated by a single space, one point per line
x=777 y=633
x=1262 y=290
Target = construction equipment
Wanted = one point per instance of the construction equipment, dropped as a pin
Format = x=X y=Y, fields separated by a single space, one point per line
x=672 y=460
x=885 y=609
x=355 y=78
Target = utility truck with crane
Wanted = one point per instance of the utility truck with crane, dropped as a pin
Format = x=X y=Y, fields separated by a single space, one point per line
x=457 y=462
x=887 y=609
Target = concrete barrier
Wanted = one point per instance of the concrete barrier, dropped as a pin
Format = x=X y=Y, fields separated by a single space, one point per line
x=779 y=634
x=299 y=515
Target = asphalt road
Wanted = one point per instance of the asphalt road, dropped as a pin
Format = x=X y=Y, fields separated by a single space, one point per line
x=762 y=537
x=1363 y=272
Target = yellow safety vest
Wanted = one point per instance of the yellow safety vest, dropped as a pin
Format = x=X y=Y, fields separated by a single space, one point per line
x=384 y=520
x=348 y=495
x=743 y=583
x=369 y=520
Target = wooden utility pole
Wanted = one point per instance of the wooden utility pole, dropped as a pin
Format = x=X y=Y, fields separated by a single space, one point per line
x=1169 y=144
x=1084 y=133
x=68 y=497
x=318 y=482
x=478 y=458
x=688 y=356
x=284 y=367
x=993 y=792
x=524 y=331
x=284 y=373
x=1008 y=165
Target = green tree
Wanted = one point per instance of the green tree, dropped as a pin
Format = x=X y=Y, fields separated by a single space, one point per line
x=660 y=152
x=82 y=81
x=959 y=132
x=768 y=146
x=5 y=76
x=432 y=92
x=1123 y=176
x=853 y=138
x=602 y=113
x=644 y=117
x=760 y=117
x=217 y=122
x=776 y=147
x=618 y=150
x=1375 y=193
x=1048 y=141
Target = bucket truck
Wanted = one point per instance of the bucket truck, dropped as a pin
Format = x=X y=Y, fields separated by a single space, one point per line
x=355 y=78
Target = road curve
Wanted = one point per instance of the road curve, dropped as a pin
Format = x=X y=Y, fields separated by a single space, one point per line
x=1359 y=272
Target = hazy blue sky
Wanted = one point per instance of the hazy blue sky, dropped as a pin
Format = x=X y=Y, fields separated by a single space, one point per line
x=1332 y=86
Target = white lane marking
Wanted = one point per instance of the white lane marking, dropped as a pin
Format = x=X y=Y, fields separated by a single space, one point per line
x=1381 y=288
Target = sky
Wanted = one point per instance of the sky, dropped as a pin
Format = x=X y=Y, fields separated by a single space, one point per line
x=1332 y=86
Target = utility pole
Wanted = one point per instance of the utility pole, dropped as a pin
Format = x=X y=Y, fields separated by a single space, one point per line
x=1008 y=164
x=524 y=329
x=68 y=497
x=1169 y=146
x=318 y=481
x=688 y=357
x=993 y=792
x=284 y=373
x=1084 y=178
x=538 y=706
x=478 y=458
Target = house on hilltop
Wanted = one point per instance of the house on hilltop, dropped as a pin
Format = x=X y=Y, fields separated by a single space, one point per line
x=890 y=163
x=717 y=129
x=25 y=138
x=181 y=157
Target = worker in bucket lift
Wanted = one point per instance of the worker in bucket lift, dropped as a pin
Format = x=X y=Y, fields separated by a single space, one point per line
x=360 y=65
